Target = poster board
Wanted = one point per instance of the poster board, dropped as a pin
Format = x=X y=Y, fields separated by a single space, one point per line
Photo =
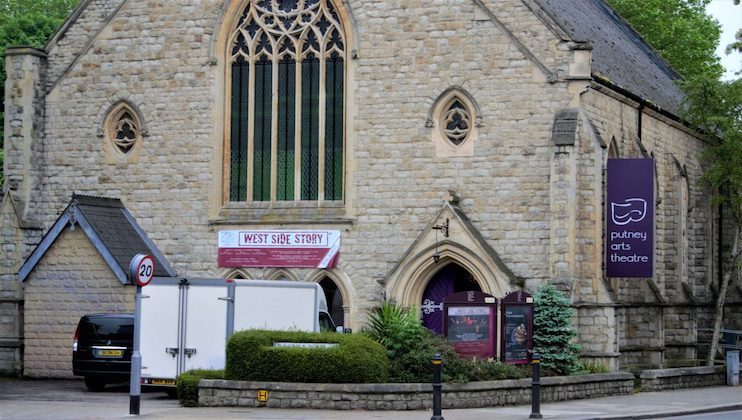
x=517 y=328
x=470 y=323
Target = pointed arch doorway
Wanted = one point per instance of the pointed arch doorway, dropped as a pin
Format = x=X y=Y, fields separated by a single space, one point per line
x=449 y=279
x=334 y=300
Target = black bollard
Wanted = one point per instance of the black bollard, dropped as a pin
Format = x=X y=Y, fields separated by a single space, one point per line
x=536 y=387
x=437 y=364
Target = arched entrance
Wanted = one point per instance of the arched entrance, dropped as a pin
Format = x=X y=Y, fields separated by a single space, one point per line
x=334 y=300
x=450 y=279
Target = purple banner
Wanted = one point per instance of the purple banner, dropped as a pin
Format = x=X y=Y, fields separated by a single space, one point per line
x=630 y=218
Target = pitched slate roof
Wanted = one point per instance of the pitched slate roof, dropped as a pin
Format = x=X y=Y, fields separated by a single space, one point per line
x=620 y=55
x=111 y=229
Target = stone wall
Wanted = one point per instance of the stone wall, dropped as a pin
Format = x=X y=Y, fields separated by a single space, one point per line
x=71 y=280
x=539 y=207
x=223 y=393
x=395 y=181
x=658 y=321
x=692 y=377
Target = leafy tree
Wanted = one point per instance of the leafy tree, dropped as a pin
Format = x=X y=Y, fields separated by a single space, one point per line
x=684 y=34
x=553 y=331
x=737 y=44
x=680 y=30
x=27 y=22
x=715 y=107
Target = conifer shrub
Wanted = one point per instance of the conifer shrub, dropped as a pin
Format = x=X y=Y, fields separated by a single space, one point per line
x=252 y=356
x=553 y=331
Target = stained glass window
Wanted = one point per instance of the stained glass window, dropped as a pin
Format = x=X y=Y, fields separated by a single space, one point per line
x=287 y=122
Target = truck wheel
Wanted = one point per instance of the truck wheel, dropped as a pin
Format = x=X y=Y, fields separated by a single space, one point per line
x=94 y=384
x=172 y=392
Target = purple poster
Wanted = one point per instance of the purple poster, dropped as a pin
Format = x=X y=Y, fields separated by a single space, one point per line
x=630 y=218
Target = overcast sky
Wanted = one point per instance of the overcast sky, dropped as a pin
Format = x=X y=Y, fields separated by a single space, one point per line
x=730 y=17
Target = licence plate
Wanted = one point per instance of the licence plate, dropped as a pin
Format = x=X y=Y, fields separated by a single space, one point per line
x=110 y=353
x=162 y=381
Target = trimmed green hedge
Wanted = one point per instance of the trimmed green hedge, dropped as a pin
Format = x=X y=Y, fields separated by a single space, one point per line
x=356 y=359
x=188 y=384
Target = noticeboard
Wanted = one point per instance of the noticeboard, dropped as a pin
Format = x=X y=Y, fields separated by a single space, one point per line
x=469 y=324
x=517 y=327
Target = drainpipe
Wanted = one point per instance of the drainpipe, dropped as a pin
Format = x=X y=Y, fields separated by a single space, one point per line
x=639 y=122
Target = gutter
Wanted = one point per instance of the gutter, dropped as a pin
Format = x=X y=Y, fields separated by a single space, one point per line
x=644 y=103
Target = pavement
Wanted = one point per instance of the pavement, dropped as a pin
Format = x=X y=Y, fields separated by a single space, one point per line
x=54 y=400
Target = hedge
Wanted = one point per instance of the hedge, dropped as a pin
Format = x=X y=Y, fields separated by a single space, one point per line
x=251 y=356
x=188 y=384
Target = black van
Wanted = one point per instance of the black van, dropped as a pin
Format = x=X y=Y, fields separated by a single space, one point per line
x=102 y=348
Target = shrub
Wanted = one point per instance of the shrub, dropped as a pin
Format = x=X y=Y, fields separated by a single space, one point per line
x=356 y=359
x=553 y=330
x=411 y=348
x=396 y=328
x=415 y=365
x=187 y=383
x=588 y=367
x=493 y=370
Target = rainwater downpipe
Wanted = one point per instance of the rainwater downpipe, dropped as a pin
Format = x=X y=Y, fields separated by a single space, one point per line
x=639 y=121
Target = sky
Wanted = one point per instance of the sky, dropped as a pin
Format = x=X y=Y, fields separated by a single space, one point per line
x=730 y=17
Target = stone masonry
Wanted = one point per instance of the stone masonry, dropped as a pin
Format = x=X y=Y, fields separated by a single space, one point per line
x=70 y=281
x=532 y=192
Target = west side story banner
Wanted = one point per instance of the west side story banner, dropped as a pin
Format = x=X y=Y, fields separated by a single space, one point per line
x=279 y=248
x=630 y=218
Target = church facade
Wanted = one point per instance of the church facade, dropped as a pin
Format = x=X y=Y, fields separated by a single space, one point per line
x=475 y=131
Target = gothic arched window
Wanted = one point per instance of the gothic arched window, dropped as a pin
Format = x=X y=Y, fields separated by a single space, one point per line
x=287 y=102
x=124 y=131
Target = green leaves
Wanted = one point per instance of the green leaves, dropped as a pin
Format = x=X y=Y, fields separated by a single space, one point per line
x=553 y=331
x=251 y=356
x=395 y=328
x=31 y=23
x=716 y=108
x=680 y=30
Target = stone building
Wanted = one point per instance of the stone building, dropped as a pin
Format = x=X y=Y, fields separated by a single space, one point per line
x=473 y=130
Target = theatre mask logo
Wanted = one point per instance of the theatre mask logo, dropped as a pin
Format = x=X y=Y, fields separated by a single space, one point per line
x=630 y=221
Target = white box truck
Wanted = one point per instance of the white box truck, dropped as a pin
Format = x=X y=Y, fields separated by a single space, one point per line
x=185 y=323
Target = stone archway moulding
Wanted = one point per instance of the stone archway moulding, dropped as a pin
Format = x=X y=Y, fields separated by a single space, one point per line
x=464 y=246
x=342 y=282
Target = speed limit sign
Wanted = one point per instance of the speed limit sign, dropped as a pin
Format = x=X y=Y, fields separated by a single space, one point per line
x=142 y=269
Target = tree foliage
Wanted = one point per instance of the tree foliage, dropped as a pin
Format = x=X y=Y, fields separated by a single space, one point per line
x=715 y=107
x=553 y=331
x=680 y=30
x=737 y=44
x=687 y=38
x=27 y=22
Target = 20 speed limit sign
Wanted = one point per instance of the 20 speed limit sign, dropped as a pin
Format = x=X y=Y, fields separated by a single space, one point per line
x=142 y=269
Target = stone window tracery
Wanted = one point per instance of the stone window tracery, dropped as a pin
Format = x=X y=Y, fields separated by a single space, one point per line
x=455 y=121
x=287 y=103
x=123 y=131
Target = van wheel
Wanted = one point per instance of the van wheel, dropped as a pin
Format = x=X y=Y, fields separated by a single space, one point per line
x=94 y=384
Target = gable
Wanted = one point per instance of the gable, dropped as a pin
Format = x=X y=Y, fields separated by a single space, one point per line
x=110 y=228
